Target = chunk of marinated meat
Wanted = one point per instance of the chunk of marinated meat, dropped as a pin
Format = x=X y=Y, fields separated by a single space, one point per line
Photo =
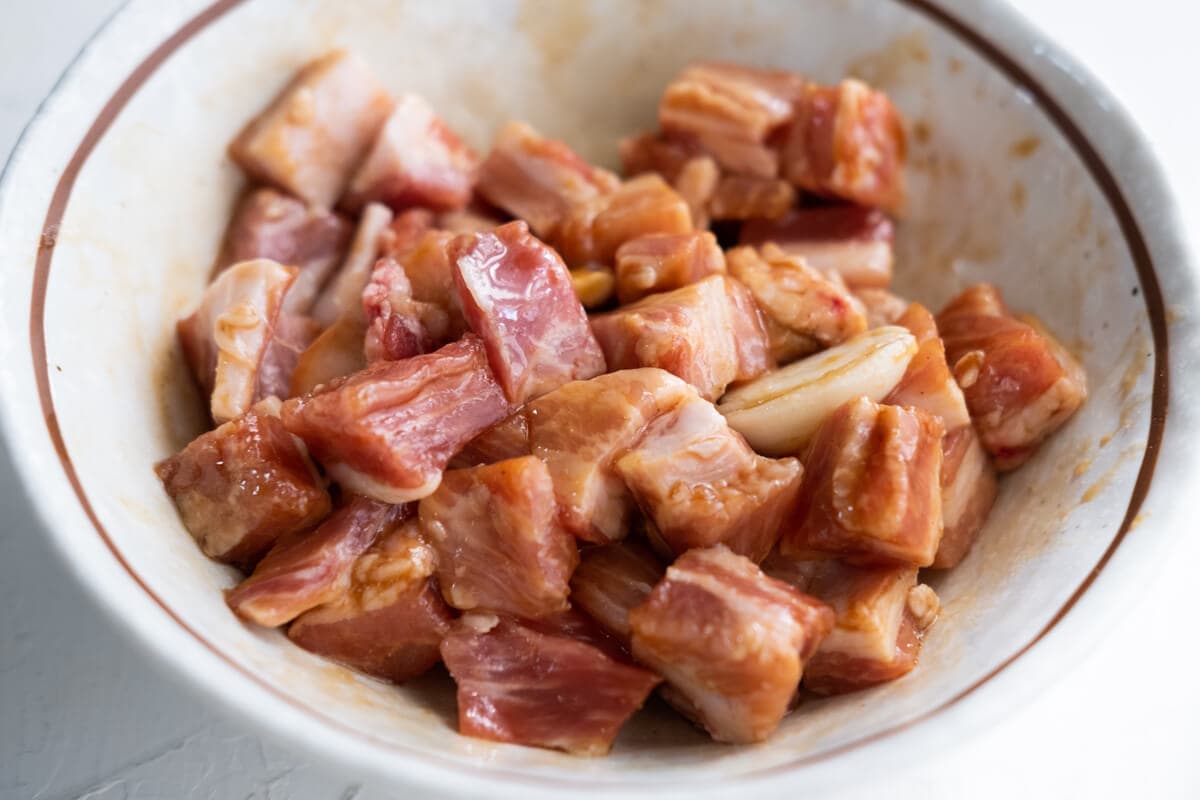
x=242 y=486
x=732 y=112
x=338 y=351
x=967 y=477
x=881 y=306
x=388 y=620
x=291 y=336
x=431 y=274
x=225 y=338
x=309 y=568
x=654 y=152
x=579 y=429
x=744 y=197
x=416 y=160
x=343 y=296
x=398 y=326
x=662 y=262
x=317 y=129
x=1020 y=383
x=731 y=642
x=797 y=298
x=853 y=241
x=517 y=295
x=696 y=183
x=709 y=333
x=530 y=687
x=847 y=141
x=499 y=543
x=874 y=638
x=968 y=492
x=613 y=579
x=388 y=431
x=872 y=491
x=406 y=230
x=639 y=207
x=508 y=438
x=473 y=219
x=698 y=483
x=269 y=224
x=538 y=179
x=927 y=383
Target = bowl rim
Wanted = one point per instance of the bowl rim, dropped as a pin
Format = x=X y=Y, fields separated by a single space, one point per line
x=993 y=50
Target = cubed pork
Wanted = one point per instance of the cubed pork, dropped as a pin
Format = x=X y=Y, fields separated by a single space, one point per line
x=499 y=543
x=613 y=579
x=316 y=131
x=746 y=197
x=662 y=262
x=853 y=241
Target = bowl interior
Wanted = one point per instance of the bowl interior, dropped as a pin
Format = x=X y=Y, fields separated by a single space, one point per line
x=997 y=194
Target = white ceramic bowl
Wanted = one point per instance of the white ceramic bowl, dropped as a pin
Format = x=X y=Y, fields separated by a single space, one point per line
x=1023 y=173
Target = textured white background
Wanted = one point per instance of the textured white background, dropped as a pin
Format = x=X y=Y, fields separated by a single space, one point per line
x=85 y=714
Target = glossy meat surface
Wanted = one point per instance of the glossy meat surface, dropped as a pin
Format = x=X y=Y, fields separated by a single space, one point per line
x=853 y=241
x=730 y=641
x=1021 y=385
x=968 y=492
x=847 y=141
x=796 y=297
x=872 y=489
x=225 y=338
x=538 y=179
x=709 y=333
x=517 y=295
x=663 y=262
x=698 y=483
x=928 y=383
x=309 y=568
x=398 y=326
x=316 y=130
x=533 y=687
x=242 y=486
x=499 y=543
x=640 y=206
x=731 y=112
x=388 y=619
x=336 y=352
x=416 y=160
x=269 y=224
x=291 y=336
x=613 y=579
x=388 y=431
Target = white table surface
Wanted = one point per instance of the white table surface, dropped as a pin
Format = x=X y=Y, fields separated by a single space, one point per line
x=85 y=714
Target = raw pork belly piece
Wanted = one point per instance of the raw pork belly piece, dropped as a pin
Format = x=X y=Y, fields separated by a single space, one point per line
x=745 y=197
x=699 y=483
x=517 y=295
x=538 y=179
x=1020 y=383
x=847 y=141
x=499 y=543
x=533 y=687
x=968 y=479
x=872 y=490
x=292 y=335
x=853 y=241
x=662 y=262
x=731 y=112
x=416 y=160
x=613 y=579
x=797 y=298
x=654 y=152
x=579 y=429
x=242 y=486
x=388 y=431
x=269 y=224
x=317 y=130
x=225 y=338
x=309 y=568
x=709 y=333
x=337 y=352
x=875 y=638
x=398 y=326
x=343 y=296
x=388 y=619
x=730 y=641
x=641 y=206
